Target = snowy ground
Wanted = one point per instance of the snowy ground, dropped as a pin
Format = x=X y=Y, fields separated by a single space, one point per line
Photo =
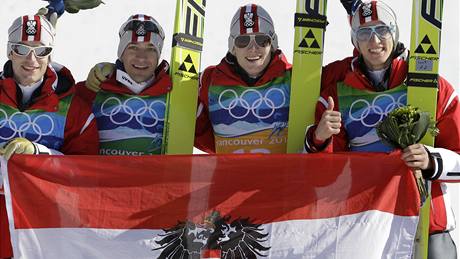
x=92 y=36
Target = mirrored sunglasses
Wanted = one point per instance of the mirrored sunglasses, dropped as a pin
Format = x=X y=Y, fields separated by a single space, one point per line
x=261 y=40
x=24 y=50
x=382 y=31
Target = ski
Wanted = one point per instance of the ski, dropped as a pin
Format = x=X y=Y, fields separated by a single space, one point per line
x=310 y=25
x=422 y=84
x=179 y=130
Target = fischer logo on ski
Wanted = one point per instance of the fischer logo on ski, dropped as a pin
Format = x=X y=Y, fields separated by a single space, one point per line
x=309 y=37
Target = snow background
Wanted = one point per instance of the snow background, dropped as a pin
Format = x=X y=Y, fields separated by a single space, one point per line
x=91 y=36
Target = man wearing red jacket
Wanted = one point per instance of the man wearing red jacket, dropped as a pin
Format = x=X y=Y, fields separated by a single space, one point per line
x=244 y=100
x=38 y=112
x=373 y=84
x=130 y=104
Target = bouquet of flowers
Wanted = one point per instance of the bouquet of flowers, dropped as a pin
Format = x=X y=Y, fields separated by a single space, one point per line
x=406 y=126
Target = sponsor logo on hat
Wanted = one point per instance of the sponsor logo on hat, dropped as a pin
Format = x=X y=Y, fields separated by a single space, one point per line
x=31 y=27
x=249 y=20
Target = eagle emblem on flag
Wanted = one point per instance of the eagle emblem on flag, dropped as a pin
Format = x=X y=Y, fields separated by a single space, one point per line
x=234 y=239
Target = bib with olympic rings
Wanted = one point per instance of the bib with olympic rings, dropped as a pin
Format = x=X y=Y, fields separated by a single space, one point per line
x=46 y=128
x=362 y=110
x=129 y=124
x=250 y=119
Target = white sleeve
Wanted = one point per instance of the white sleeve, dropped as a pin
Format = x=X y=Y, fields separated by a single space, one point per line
x=43 y=150
x=446 y=164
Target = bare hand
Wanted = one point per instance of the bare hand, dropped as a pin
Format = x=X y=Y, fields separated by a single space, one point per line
x=416 y=156
x=330 y=122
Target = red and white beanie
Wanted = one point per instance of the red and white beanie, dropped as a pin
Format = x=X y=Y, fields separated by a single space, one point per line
x=374 y=11
x=251 y=18
x=31 y=28
x=140 y=28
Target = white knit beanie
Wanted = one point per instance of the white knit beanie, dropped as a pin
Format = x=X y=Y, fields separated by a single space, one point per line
x=30 y=28
x=251 y=18
x=140 y=28
x=374 y=11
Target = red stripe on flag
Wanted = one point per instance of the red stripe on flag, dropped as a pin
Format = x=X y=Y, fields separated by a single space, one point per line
x=38 y=34
x=256 y=18
x=157 y=192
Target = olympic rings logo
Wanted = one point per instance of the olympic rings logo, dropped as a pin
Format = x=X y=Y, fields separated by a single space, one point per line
x=253 y=105
x=142 y=114
x=374 y=108
x=22 y=124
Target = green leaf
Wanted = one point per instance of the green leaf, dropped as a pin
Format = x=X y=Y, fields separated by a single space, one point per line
x=405 y=126
x=421 y=127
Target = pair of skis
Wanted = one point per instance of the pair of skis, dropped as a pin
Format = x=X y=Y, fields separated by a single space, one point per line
x=310 y=25
x=422 y=82
x=180 y=115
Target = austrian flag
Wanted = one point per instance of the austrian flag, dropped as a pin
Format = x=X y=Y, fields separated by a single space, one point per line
x=357 y=205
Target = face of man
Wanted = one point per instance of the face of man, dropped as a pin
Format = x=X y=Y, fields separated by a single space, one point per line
x=29 y=68
x=140 y=60
x=254 y=57
x=377 y=49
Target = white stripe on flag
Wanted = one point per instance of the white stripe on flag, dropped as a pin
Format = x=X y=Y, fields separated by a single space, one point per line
x=371 y=234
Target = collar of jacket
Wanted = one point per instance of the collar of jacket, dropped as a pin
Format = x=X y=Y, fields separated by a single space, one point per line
x=161 y=85
x=395 y=75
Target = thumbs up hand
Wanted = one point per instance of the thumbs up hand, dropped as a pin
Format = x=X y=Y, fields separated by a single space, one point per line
x=330 y=104
x=330 y=122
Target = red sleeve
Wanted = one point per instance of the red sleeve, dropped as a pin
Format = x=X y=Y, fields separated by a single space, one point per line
x=81 y=136
x=204 y=133
x=331 y=75
x=448 y=117
x=335 y=72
